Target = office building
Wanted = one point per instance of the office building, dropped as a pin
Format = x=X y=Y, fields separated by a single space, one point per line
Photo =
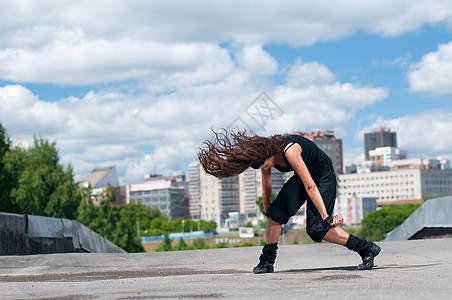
x=332 y=146
x=382 y=156
x=381 y=137
x=397 y=186
x=165 y=194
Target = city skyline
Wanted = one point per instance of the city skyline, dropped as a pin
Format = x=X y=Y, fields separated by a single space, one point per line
x=139 y=85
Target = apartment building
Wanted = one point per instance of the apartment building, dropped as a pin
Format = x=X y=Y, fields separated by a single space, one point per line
x=250 y=184
x=165 y=194
x=331 y=145
x=383 y=156
x=212 y=199
x=397 y=186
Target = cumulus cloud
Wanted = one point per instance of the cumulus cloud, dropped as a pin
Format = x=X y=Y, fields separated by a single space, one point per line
x=425 y=133
x=111 y=128
x=83 y=43
x=288 y=21
x=433 y=74
x=191 y=68
x=324 y=106
x=304 y=74
x=254 y=59
x=75 y=60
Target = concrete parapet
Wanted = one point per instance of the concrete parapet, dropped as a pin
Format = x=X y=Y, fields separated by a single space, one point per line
x=27 y=234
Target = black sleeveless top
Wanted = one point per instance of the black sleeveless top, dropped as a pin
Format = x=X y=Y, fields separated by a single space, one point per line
x=315 y=159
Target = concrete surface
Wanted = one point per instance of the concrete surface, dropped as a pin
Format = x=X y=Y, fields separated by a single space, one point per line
x=416 y=269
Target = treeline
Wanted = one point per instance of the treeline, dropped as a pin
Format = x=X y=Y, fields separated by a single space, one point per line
x=376 y=224
x=32 y=181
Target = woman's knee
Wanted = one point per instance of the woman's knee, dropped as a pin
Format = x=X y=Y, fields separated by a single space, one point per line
x=317 y=234
x=273 y=222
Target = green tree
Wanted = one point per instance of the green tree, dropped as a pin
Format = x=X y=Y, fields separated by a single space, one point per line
x=6 y=182
x=182 y=245
x=126 y=235
x=41 y=186
x=199 y=243
x=375 y=225
x=116 y=224
x=165 y=245
x=208 y=226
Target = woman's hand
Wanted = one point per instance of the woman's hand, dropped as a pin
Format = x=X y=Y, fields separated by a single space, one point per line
x=334 y=221
x=337 y=221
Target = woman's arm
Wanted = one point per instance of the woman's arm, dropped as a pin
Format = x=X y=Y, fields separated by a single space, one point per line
x=293 y=155
x=266 y=188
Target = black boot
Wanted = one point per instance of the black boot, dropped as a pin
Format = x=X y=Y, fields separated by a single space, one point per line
x=267 y=259
x=367 y=251
x=368 y=257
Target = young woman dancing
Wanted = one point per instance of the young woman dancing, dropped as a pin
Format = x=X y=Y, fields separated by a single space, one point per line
x=314 y=182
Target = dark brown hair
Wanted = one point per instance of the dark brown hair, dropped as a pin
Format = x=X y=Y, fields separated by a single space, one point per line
x=230 y=153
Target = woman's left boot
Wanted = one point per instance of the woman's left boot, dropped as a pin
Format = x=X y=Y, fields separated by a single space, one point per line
x=267 y=259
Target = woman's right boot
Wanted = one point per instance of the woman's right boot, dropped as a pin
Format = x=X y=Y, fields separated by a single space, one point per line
x=367 y=251
x=267 y=259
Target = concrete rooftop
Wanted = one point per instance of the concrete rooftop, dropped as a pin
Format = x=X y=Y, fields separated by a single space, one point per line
x=417 y=269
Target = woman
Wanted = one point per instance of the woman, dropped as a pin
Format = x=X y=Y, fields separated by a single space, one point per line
x=314 y=181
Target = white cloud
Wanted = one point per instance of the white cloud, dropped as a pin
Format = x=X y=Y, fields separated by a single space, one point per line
x=433 y=74
x=111 y=128
x=305 y=74
x=88 y=42
x=255 y=60
x=320 y=107
x=79 y=61
x=353 y=155
x=425 y=134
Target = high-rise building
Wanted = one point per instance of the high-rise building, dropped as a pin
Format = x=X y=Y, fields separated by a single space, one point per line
x=382 y=137
x=332 y=146
x=250 y=183
x=212 y=199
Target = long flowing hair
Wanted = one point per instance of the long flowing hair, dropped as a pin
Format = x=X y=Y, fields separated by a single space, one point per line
x=230 y=153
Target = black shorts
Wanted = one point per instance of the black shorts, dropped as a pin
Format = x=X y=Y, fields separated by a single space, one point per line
x=293 y=195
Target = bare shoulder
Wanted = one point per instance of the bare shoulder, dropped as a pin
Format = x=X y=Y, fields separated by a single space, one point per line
x=292 y=148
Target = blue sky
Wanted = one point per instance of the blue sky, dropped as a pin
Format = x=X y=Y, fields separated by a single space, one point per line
x=139 y=84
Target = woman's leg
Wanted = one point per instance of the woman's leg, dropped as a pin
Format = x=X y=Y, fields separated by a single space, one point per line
x=268 y=256
x=273 y=231
x=367 y=250
x=337 y=236
x=286 y=204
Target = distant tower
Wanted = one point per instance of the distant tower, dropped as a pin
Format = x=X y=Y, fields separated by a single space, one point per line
x=332 y=146
x=382 y=137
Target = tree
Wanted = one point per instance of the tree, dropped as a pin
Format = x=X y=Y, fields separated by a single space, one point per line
x=40 y=185
x=375 y=225
x=6 y=182
x=116 y=224
x=165 y=245
x=126 y=235
x=182 y=245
